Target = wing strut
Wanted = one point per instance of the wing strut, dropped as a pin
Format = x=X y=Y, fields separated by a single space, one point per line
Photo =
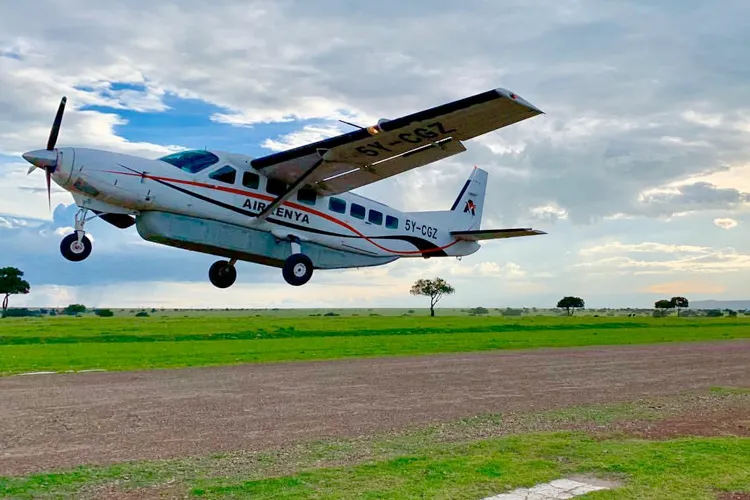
x=296 y=186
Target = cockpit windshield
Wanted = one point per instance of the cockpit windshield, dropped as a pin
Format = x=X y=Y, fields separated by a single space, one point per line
x=192 y=161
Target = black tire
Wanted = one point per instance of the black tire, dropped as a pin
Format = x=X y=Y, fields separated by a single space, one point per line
x=74 y=251
x=221 y=274
x=298 y=269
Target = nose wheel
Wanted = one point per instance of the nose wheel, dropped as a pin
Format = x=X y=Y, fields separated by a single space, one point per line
x=75 y=250
x=76 y=246
x=222 y=274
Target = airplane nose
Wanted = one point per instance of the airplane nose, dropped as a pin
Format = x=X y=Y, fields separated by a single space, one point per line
x=41 y=158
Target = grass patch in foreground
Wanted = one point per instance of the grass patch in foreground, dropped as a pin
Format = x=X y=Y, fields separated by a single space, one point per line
x=677 y=469
x=61 y=344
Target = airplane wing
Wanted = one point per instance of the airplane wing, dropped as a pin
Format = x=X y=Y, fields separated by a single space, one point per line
x=364 y=156
x=494 y=234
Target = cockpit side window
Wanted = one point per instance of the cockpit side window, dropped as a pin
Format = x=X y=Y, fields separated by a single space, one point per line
x=192 y=161
x=224 y=174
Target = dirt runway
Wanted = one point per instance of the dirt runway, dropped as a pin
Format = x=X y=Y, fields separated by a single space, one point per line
x=59 y=421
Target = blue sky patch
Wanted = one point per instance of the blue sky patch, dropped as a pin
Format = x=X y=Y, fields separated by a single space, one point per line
x=188 y=123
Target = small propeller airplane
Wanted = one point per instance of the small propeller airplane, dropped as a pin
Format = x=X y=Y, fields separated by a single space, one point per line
x=293 y=209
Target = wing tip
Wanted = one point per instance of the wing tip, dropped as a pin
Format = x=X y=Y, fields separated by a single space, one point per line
x=509 y=94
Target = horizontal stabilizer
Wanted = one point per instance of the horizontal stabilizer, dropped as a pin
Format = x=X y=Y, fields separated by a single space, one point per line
x=494 y=234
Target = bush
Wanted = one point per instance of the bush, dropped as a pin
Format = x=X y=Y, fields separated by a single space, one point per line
x=142 y=314
x=478 y=311
x=513 y=312
x=104 y=313
x=714 y=313
x=20 y=312
x=74 y=309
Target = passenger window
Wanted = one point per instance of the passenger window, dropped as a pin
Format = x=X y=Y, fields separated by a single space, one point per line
x=357 y=211
x=307 y=196
x=375 y=217
x=250 y=180
x=224 y=174
x=276 y=187
x=391 y=222
x=337 y=205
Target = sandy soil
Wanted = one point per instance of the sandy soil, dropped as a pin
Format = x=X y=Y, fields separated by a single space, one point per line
x=59 y=421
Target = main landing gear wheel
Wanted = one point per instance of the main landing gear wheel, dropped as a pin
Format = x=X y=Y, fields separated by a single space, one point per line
x=222 y=274
x=298 y=269
x=75 y=250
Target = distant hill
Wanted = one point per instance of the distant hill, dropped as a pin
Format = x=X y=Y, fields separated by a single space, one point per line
x=720 y=304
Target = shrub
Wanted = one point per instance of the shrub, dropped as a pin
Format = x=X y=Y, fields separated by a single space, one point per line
x=20 y=312
x=104 y=313
x=74 y=309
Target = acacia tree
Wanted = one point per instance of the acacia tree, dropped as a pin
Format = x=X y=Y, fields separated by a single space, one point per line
x=570 y=304
x=663 y=304
x=12 y=283
x=678 y=302
x=434 y=289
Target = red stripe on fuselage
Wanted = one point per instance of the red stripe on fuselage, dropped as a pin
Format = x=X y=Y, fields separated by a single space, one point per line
x=296 y=206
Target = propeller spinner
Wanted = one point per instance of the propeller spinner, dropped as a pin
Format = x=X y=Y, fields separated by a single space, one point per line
x=46 y=159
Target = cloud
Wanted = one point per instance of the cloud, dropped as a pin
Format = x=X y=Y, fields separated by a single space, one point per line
x=681 y=288
x=700 y=196
x=680 y=259
x=310 y=133
x=726 y=223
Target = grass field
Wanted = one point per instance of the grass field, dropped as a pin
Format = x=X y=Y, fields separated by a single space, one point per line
x=169 y=341
x=467 y=459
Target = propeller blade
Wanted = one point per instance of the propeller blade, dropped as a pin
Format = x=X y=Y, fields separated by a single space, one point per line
x=49 y=189
x=56 y=125
x=31 y=169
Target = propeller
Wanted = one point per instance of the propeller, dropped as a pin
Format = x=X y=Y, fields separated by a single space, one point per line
x=46 y=159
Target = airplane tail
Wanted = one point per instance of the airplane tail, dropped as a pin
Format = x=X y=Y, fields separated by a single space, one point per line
x=465 y=216
x=467 y=209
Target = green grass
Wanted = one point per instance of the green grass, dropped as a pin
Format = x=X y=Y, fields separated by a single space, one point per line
x=676 y=469
x=61 y=344
x=470 y=458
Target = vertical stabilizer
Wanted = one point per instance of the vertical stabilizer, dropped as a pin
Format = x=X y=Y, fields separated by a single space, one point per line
x=467 y=208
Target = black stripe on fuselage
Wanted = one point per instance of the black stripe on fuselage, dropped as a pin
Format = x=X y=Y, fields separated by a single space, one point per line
x=420 y=243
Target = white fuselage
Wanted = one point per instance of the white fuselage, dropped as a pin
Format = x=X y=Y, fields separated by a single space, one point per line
x=232 y=191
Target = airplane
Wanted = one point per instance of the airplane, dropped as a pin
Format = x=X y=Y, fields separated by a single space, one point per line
x=292 y=209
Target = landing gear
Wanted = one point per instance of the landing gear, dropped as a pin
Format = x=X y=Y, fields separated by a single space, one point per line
x=76 y=246
x=222 y=273
x=75 y=250
x=298 y=268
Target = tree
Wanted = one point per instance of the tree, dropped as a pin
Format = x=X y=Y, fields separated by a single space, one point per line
x=12 y=283
x=434 y=289
x=678 y=302
x=664 y=304
x=569 y=303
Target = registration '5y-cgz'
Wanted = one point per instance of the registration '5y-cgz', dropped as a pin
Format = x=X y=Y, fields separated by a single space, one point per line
x=294 y=209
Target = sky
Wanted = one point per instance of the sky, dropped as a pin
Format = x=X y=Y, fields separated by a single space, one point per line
x=639 y=170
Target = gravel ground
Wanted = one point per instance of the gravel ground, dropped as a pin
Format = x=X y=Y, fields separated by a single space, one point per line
x=59 y=421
